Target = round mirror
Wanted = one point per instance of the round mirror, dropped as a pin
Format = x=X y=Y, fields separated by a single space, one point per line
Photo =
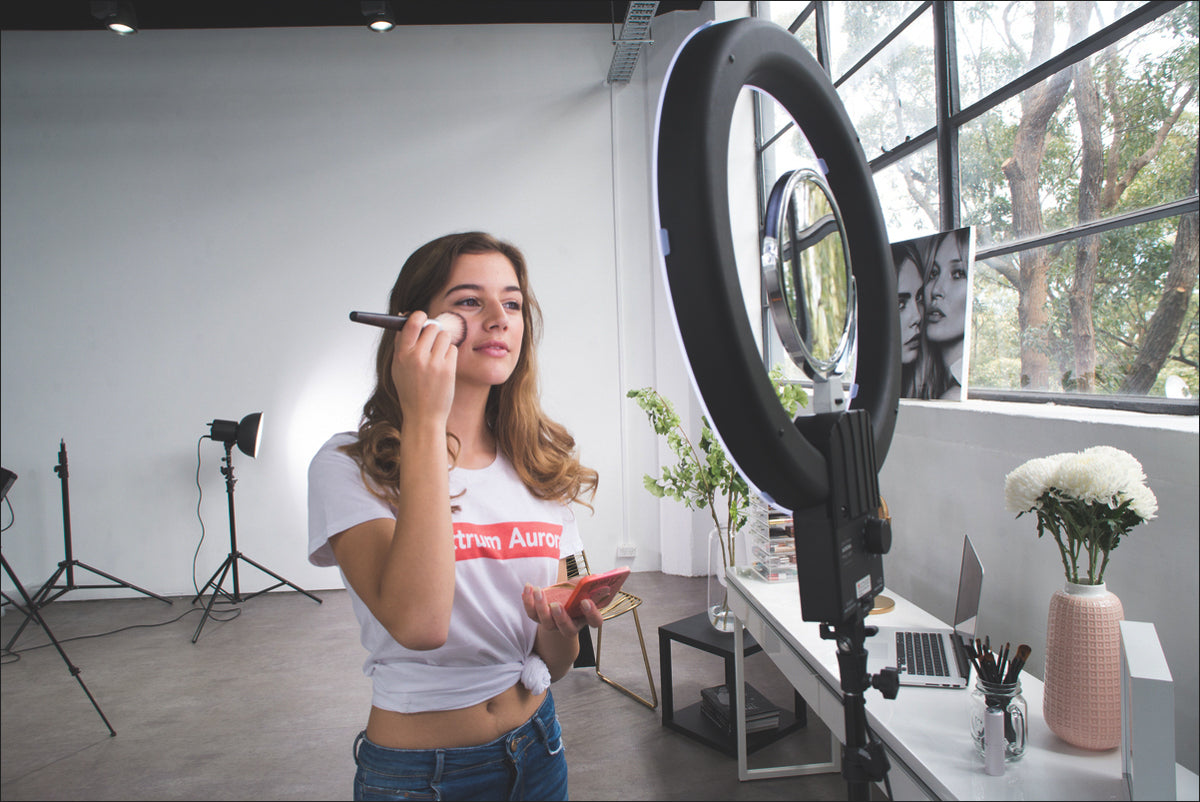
x=807 y=275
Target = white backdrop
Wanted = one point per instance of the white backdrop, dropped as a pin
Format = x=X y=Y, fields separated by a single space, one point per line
x=189 y=216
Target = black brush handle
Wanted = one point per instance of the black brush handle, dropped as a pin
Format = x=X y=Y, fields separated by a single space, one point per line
x=395 y=322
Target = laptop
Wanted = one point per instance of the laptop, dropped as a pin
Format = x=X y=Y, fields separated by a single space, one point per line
x=934 y=658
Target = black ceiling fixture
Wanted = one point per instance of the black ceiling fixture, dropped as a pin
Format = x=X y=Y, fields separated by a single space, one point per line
x=117 y=15
x=75 y=15
x=379 y=15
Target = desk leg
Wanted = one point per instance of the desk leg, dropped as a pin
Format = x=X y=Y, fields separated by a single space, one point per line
x=834 y=764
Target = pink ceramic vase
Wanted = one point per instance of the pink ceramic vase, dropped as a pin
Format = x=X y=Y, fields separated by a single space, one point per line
x=1082 y=702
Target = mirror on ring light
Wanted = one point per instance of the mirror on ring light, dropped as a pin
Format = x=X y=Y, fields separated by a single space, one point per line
x=808 y=281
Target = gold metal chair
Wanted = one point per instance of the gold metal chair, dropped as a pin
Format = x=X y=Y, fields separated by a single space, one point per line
x=577 y=566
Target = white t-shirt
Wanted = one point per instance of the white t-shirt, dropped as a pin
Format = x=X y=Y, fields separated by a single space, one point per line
x=504 y=537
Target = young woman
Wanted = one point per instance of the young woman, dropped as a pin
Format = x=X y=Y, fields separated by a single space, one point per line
x=947 y=286
x=910 y=277
x=447 y=513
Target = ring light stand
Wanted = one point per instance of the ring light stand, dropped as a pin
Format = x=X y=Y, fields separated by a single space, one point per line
x=823 y=467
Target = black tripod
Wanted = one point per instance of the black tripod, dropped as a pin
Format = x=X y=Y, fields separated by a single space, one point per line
x=231 y=562
x=51 y=590
x=31 y=611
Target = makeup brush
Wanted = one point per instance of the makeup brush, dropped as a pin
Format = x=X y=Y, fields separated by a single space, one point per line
x=1018 y=662
x=974 y=657
x=450 y=322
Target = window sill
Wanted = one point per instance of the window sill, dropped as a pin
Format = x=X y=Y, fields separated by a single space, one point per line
x=1055 y=411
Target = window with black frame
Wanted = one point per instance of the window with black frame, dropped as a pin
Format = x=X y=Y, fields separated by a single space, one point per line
x=1065 y=135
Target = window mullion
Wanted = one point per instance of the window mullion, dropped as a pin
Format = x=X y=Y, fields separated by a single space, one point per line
x=822 y=23
x=1190 y=204
x=946 y=81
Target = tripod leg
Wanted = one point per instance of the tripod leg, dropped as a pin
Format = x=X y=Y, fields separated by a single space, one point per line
x=38 y=601
x=223 y=571
x=277 y=576
x=37 y=616
x=120 y=582
x=212 y=580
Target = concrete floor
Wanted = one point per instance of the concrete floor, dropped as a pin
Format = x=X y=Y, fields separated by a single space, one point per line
x=266 y=705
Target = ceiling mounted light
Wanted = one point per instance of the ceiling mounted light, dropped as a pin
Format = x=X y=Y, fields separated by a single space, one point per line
x=379 y=15
x=117 y=15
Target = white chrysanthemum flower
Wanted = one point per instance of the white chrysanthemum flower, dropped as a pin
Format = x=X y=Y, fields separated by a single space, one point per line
x=1025 y=485
x=1086 y=488
x=1144 y=502
x=1099 y=475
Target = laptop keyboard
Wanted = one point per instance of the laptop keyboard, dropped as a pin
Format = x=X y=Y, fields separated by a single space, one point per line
x=921 y=653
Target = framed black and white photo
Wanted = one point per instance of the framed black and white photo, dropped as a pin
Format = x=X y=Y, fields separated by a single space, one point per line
x=933 y=288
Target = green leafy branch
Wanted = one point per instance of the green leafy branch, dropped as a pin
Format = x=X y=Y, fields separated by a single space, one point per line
x=1078 y=527
x=703 y=473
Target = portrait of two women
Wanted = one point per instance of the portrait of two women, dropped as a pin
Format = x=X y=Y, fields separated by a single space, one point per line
x=933 y=286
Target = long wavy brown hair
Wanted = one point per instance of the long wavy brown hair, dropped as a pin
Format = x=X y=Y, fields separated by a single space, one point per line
x=541 y=450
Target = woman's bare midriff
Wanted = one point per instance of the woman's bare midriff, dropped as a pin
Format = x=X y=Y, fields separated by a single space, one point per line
x=468 y=726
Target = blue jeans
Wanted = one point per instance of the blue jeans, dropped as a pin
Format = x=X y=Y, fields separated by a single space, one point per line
x=527 y=763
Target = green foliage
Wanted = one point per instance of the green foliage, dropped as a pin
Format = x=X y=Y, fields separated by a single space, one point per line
x=702 y=477
x=1094 y=529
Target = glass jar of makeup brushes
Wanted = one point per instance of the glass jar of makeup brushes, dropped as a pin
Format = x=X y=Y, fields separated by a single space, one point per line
x=1007 y=698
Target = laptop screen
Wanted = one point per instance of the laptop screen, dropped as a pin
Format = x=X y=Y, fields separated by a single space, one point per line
x=970 y=586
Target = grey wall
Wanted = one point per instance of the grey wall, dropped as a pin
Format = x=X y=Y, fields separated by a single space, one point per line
x=944 y=478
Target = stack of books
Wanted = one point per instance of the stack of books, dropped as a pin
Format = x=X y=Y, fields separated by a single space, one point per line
x=760 y=713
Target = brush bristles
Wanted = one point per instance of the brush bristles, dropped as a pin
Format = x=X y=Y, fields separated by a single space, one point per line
x=453 y=324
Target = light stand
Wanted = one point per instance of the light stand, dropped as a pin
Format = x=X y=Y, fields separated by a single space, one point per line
x=247 y=435
x=31 y=610
x=51 y=590
x=824 y=467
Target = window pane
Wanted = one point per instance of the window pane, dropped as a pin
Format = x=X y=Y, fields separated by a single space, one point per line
x=1052 y=351
x=999 y=42
x=790 y=150
x=781 y=12
x=995 y=337
x=807 y=34
x=1047 y=161
x=855 y=28
x=908 y=194
x=893 y=96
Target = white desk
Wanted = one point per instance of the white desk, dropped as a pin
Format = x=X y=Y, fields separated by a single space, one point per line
x=925 y=730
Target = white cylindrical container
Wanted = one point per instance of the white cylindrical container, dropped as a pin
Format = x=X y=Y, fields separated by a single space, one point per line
x=993 y=741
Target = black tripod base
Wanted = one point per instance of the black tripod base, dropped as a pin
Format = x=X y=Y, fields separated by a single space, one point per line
x=217 y=580
x=52 y=590
x=32 y=611
x=115 y=583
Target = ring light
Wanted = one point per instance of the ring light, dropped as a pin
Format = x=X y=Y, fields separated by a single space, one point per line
x=692 y=204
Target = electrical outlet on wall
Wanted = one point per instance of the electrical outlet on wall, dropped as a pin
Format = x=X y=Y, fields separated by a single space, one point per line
x=627 y=550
